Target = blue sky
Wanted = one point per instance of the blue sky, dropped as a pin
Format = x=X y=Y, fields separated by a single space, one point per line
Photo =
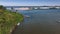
x=29 y=2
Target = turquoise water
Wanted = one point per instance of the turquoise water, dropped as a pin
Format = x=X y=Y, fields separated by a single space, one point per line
x=40 y=22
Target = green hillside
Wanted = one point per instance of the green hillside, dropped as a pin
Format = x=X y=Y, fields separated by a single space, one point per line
x=8 y=20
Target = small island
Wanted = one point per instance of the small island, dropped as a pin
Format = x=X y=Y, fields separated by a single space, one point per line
x=8 y=20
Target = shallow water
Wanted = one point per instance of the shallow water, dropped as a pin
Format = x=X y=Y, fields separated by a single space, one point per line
x=40 y=22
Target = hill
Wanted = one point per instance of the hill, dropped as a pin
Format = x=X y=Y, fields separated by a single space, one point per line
x=8 y=20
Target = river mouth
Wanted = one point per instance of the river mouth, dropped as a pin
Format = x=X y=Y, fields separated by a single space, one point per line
x=40 y=22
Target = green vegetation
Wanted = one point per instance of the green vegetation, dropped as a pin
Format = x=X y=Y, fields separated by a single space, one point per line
x=8 y=20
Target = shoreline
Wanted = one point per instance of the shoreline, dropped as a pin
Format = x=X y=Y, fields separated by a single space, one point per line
x=11 y=20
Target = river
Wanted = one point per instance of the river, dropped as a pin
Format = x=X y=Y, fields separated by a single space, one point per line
x=39 y=22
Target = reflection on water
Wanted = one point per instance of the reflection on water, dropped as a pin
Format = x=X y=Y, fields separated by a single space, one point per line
x=40 y=22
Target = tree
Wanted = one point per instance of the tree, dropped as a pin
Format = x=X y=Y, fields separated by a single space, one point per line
x=2 y=7
x=12 y=8
x=16 y=11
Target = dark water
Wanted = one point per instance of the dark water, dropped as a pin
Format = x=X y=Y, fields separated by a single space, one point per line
x=40 y=22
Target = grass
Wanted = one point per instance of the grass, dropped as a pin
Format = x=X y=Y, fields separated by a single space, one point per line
x=8 y=20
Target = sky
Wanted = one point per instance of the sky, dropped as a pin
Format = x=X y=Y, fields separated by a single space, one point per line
x=30 y=2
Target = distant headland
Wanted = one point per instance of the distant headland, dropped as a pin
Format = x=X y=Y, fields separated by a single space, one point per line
x=33 y=7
